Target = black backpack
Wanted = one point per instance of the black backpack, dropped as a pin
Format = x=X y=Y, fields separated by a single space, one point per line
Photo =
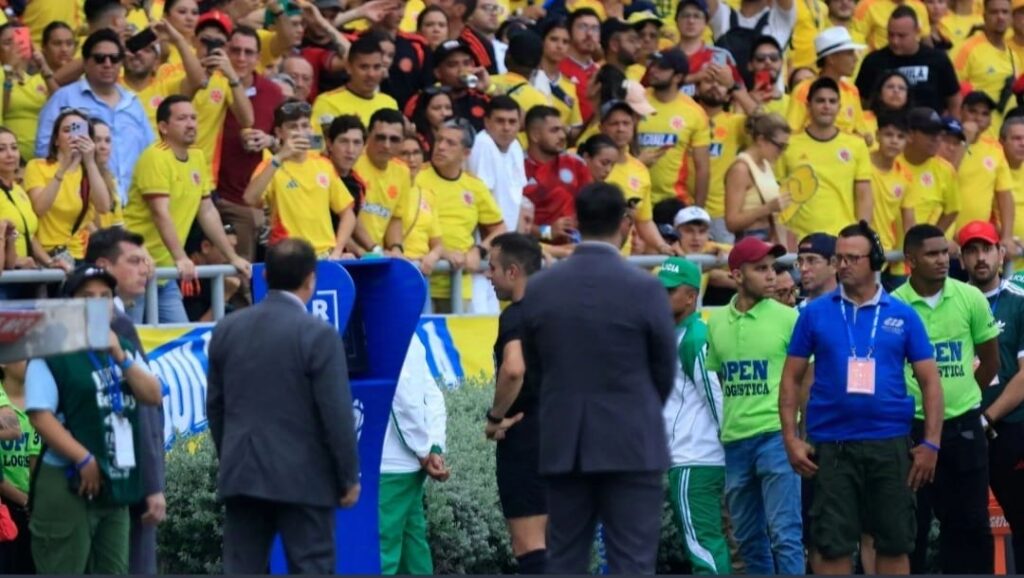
x=740 y=41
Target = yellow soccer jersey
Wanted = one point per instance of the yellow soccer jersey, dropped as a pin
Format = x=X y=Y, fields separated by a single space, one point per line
x=212 y=105
x=461 y=205
x=55 y=225
x=850 y=118
x=956 y=28
x=567 y=104
x=682 y=124
x=115 y=218
x=890 y=193
x=423 y=225
x=838 y=164
x=983 y=171
x=40 y=13
x=343 y=101
x=728 y=136
x=871 y=19
x=22 y=114
x=934 y=191
x=302 y=196
x=160 y=174
x=1018 y=203
x=779 y=107
x=987 y=69
x=16 y=207
x=634 y=179
x=811 y=18
x=521 y=91
x=387 y=194
x=151 y=96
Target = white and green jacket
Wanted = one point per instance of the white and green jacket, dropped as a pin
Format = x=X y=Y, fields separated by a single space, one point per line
x=416 y=424
x=693 y=411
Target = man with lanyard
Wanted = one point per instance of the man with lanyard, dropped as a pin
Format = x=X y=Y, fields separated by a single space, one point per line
x=1002 y=410
x=960 y=326
x=859 y=413
x=814 y=255
x=693 y=414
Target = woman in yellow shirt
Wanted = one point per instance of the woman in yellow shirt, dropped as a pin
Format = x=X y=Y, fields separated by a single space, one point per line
x=183 y=15
x=24 y=93
x=67 y=188
x=16 y=207
x=752 y=197
x=104 y=140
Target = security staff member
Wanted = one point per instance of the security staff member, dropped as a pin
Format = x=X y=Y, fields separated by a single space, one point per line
x=960 y=326
x=860 y=412
x=981 y=254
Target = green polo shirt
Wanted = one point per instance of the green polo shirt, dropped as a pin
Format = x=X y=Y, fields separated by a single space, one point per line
x=960 y=320
x=15 y=454
x=748 y=351
x=1008 y=303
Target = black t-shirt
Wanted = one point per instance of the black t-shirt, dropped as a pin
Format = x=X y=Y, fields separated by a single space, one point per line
x=930 y=72
x=510 y=328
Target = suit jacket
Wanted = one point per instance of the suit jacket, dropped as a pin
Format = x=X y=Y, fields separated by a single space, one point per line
x=603 y=332
x=279 y=405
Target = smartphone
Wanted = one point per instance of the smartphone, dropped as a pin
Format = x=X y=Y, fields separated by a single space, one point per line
x=316 y=142
x=141 y=40
x=212 y=44
x=23 y=41
x=79 y=128
x=762 y=79
x=719 y=58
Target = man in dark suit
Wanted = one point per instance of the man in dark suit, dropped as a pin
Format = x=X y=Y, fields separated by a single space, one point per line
x=602 y=330
x=280 y=412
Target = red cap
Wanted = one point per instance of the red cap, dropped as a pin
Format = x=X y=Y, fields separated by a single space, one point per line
x=978 y=231
x=217 y=17
x=752 y=250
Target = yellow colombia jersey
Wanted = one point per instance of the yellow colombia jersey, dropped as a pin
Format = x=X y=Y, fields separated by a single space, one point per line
x=56 y=225
x=16 y=207
x=566 y=103
x=421 y=226
x=461 y=205
x=850 y=118
x=871 y=19
x=343 y=101
x=173 y=66
x=1018 y=203
x=727 y=138
x=22 y=114
x=386 y=195
x=115 y=218
x=40 y=13
x=956 y=28
x=521 y=91
x=838 y=164
x=151 y=96
x=410 y=15
x=160 y=174
x=212 y=105
x=986 y=68
x=682 y=124
x=890 y=191
x=983 y=171
x=934 y=191
x=811 y=18
x=302 y=196
x=632 y=176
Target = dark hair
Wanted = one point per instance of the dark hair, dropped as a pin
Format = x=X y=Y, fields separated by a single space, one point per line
x=611 y=80
x=55 y=26
x=95 y=10
x=385 y=116
x=102 y=35
x=501 y=102
x=547 y=25
x=470 y=6
x=248 y=32
x=761 y=41
x=875 y=100
x=364 y=45
x=822 y=83
x=904 y=11
x=430 y=10
x=664 y=211
x=291 y=109
x=344 y=123
x=289 y=263
x=918 y=234
x=580 y=13
x=519 y=249
x=106 y=243
x=895 y=119
x=419 y=113
x=595 y=144
x=781 y=268
x=539 y=113
x=600 y=208
x=163 y=112
x=55 y=131
x=509 y=27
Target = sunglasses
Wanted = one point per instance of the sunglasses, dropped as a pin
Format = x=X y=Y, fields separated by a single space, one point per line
x=384 y=138
x=767 y=57
x=297 y=107
x=106 y=58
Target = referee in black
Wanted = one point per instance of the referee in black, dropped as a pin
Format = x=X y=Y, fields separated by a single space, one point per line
x=512 y=419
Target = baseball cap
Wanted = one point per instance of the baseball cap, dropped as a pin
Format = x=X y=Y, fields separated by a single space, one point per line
x=952 y=126
x=526 y=48
x=700 y=4
x=676 y=271
x=978 y=97
x=636 y=98
x=924 y=119
x=833 y=40
x=638 y=19
x=819 y=244
x=449 y=47
x=82 y=275
x=691 y=215
x=978 y=231
x=672 y=59
x=752 y=250
x=217 y=18
x=611 y=27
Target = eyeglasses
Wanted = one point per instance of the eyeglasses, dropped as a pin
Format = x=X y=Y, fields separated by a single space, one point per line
x=786 y=293
x=239 y=51
x=773 y=57
x=490 y=8
x=848 y=259
x=691 y=16
x=297 y=107
x=587 y=27
x=106 y=58
x=387 y=138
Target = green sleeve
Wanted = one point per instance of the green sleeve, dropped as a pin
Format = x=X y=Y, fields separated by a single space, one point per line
x=4 y=400
x=712 y=361
x=691 y=347
x=983 y=325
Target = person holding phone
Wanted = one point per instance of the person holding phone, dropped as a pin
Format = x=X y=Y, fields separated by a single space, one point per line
x=89 y=472
x=24 y=93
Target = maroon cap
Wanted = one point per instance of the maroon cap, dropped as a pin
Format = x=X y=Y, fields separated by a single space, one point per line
x=752 y=250
x=978 y=231
x=222 y=20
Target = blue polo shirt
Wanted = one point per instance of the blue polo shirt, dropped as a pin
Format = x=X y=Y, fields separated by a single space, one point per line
x=832 y=413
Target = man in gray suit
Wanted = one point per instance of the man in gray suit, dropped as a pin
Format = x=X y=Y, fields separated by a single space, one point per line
x=280 y=412
x=602 y=330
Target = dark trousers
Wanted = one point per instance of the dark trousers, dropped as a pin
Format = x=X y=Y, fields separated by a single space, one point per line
x=1006 y=470
x=251 y=524
x=628 y=504
x=16 y=555
x=959 y=500
x=141 y=542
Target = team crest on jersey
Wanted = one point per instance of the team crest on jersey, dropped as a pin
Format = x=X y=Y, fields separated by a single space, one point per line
x=216 y=96
x=677 y=122
x=392 y=192
x=720 y=132
x=634 y=183
x=849 y=112
x=41 y=89
x=405 y=65
x=322 y=180
x=155 y=101
x=990 y=163
x=897 y=191
x=467 y=197
x=565 y=175
x=196 y=179
x=927 y=179
x=845 y=155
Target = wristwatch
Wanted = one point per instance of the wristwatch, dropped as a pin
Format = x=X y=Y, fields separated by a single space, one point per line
x=491 y=418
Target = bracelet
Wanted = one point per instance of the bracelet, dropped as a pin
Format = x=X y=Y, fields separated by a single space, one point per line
x=275 y=162
x=398 y=246
x=126 y=363
x=930 y=445
x=436 y=449
x=85 y=461
x=58 y=177
x=491 y=418
x=234 y=83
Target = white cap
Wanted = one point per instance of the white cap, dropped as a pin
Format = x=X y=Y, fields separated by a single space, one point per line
x=835 y=39
x=690 y=215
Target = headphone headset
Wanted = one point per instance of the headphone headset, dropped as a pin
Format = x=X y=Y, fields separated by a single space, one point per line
x=876 y=258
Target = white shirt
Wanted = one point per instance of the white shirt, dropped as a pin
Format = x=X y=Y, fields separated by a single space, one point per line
x=504 y=173
x=780 y=22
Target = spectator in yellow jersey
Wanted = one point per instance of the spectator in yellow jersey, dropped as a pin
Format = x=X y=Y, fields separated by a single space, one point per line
x=413 y=154
x=986 y=62
x=935 y=194
x=171 y=190
x=752 y=196
x=302 y=188
x=891 y=182
x=693 y=225
x=16 y=207
x=27 y=82
x=1011 y=135
x=521 y=60
x=462 y=204
x=984 y=172
x=840 y=13
x=601 y=156
x=361 y=95
x=99 y=15
x=840 y=162
x=648 y=28
x=837 y=60
x=1016 y=40
x=676 y=134
x=387 y=181
x=766 y=72
x=555 y=34
x=871 y=18
x=104 y=139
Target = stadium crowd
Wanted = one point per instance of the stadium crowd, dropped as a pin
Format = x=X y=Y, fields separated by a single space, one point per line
x=137 y=134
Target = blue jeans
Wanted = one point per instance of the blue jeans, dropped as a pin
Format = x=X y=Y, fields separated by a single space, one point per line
x=170 y=307
x=763 y=494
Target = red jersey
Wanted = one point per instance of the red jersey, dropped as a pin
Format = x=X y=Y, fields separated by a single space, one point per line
x=579 y=75
x=552 y=186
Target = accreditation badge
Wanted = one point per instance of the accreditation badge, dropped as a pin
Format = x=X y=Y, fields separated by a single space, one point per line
x=860 y=376
x=124 y=444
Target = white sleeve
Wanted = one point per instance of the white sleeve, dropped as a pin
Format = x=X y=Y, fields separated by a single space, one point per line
x=781 y=23
x=481 y=163
x=408 y=413
x=437 y=416
x=720 y=20
x=709 y=387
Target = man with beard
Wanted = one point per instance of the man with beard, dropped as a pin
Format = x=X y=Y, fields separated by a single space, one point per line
x=1002 y=410
x=481 y=25
x=837 y=59
x=584 y=42
x=620 y=44
x=814 y=255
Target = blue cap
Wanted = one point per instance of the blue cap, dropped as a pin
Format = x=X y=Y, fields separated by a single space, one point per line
x=952 y=126
x=818 y=243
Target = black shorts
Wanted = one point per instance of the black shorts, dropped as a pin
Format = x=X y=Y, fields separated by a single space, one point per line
x=521 y=490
